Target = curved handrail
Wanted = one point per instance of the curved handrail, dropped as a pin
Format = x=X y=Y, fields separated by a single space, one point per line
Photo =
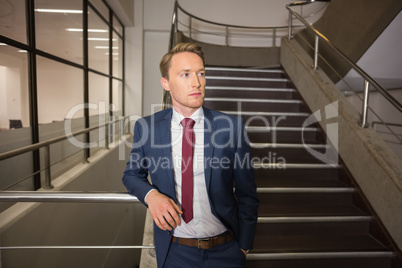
x=228 y=25
x=174 y=24
x=173 y=27
x=166 y=101
x=319 y=35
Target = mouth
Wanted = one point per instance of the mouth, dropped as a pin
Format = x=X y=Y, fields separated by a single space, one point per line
x=196 y=94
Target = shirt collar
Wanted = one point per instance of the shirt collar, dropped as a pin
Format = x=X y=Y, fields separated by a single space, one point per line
x=197 y=116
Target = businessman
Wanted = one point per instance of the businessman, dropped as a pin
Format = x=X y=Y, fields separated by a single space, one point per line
x=201 y=190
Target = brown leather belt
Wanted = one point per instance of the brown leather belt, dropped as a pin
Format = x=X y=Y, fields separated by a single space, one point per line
x=204 y=243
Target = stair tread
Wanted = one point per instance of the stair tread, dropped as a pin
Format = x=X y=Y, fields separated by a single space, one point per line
x=218 y=71
x=297 y=175
x=311 y=243
x=306 y=206
x=297 y=182
x=308 y=211
x=255 y=106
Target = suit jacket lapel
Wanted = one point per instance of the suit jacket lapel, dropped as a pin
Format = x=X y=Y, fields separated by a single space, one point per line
x=209 y=128
x=163 y=138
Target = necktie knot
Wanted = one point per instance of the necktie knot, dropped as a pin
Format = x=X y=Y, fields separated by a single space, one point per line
x=188 y=122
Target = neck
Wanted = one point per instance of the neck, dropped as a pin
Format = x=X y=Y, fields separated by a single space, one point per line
x=187 y=112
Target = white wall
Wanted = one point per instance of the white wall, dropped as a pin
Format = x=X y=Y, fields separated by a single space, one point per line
x=381 y=61
x=383 y=53
x=3 y=98
x=134 y=63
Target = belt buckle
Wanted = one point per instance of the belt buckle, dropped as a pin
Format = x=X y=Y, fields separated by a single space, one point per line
x=203 y=239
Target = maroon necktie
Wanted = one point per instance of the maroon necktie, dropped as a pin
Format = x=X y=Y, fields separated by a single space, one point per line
x=187 y=169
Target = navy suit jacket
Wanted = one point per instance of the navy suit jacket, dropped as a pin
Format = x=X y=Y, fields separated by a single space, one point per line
x=229 y=175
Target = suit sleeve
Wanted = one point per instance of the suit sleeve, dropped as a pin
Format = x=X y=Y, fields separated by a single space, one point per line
x=135 y=176
x=245 y=189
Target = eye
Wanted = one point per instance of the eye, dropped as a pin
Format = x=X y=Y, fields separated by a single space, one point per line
x=201 y=74
x=185 y=74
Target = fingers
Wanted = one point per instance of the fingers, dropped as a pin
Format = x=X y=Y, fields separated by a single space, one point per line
x=174 y=213
x=164 y=211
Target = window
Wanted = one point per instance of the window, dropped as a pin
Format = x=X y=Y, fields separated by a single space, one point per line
x=98 y=43
x=14 y=93
x=117 y=58
x=44 y=75
x=13 y=20
x=60 y=90
x=58 y=28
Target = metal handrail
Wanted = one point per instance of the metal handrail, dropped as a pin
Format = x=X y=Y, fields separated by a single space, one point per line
x=385 y=123
x=46 y=144
x=388 y=127
x=174 y=26
x=67 y=197
x=225 y=25
x=229 y=25
x=70 y=197
x=368 y=80
x=78 y=247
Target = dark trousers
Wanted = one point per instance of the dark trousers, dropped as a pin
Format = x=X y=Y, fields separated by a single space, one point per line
x=227 y=255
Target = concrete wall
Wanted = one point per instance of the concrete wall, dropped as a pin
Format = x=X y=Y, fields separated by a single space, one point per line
x=89 y=224
x=377 y=169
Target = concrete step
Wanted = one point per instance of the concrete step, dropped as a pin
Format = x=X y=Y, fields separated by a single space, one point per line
x=250 y=92
x=242 y=72
x=255 y=105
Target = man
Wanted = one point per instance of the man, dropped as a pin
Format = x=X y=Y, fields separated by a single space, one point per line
x=203 y=195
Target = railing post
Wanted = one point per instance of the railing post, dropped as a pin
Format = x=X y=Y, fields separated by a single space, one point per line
x=175 y=17
x=227 y=36
x=274 y=39
x=48 y=178
x=190 y=26
x=316 y=52
x=363 y=122
x=107 y=136
x=290 y=26
x=121 y=128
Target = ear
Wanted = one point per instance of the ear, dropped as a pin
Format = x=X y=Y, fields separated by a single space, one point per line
x=165 y=84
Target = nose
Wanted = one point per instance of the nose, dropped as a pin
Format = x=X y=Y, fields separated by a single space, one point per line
x=195 y=82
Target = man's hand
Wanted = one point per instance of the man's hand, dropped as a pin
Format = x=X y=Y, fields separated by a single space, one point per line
x=244 y=251
x=163 y=210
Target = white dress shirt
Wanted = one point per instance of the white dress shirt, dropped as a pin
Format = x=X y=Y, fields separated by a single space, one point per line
x=204 y=223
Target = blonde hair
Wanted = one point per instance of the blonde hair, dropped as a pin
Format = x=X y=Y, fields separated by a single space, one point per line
x=164 y=64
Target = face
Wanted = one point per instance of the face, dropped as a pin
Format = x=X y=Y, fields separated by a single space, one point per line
x=186 y=82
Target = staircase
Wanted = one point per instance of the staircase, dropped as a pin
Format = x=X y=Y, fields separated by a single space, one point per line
x=311 y=213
